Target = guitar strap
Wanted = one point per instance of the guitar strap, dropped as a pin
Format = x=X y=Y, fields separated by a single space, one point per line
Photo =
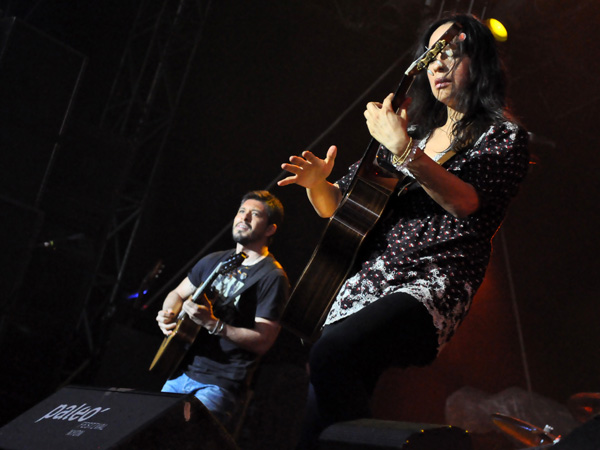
x=449 y=154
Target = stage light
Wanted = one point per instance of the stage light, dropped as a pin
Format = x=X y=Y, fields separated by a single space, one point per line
x=497 y=29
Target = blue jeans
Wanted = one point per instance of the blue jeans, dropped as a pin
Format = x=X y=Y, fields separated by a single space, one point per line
x=220 y=402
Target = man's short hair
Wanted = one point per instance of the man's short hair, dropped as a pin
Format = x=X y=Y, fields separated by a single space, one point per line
x=272 y=203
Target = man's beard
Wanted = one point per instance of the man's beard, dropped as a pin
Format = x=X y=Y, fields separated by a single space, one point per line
x=242 y=239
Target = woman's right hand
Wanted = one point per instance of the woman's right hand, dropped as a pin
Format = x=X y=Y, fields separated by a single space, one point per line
x=309 y=170
x=387 y=126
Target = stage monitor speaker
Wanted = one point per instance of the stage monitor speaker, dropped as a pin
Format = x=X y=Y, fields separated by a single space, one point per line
x=371 y=434
x=82 y=418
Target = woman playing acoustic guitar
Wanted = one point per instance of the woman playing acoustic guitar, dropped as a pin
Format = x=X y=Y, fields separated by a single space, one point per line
x=417 y=271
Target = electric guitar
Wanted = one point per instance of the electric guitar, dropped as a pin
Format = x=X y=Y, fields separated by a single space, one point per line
x=175 y=346
x=355 y=217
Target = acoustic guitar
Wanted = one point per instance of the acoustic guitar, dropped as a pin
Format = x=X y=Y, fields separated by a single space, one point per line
x=355 y=217
x=175 y=346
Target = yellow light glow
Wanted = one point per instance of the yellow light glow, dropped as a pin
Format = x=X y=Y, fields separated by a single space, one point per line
x=497 y=29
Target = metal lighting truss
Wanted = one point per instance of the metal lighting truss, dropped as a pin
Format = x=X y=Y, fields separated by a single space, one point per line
x=141 y=108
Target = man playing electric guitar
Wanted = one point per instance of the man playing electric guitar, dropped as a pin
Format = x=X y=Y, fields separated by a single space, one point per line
x=241 y=317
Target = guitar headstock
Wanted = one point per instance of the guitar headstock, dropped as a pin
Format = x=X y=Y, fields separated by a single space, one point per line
x=423 y=61
x=430 y=54
x=231 y=263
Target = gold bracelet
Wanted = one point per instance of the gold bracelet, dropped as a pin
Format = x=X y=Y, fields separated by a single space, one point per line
x=410 y=158
x=398 y=160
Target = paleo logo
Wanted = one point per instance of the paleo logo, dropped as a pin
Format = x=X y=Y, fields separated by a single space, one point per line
x=81 y=413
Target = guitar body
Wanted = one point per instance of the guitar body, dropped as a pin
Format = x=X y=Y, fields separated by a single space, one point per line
x=333 y=258
x=174 y=347
x=355 y=217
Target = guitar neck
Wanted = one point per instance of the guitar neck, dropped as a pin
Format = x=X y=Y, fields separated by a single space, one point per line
x=196 y=297
x=366 y=168
x=401 y=91
x=222 y=268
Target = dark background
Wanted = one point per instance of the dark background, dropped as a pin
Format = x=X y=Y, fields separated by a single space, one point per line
x=271 y=79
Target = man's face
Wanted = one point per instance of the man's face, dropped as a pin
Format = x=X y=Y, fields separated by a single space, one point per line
x=251 y=223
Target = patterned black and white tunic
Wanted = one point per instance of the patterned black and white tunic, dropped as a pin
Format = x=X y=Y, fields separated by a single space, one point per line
x=419 y=248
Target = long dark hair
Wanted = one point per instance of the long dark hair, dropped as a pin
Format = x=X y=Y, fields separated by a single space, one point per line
x=483 y=99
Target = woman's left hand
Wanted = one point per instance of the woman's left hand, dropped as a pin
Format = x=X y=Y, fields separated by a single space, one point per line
x=387 y=126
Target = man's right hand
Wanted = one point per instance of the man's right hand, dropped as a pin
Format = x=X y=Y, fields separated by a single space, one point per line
x=166 y=321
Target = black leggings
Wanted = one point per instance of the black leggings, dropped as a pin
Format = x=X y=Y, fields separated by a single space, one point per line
x=347 y=360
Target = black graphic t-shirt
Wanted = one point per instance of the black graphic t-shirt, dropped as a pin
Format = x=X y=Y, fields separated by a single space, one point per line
x=238 y=298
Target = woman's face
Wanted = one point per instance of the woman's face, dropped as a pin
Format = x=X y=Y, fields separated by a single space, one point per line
x=449 y=73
